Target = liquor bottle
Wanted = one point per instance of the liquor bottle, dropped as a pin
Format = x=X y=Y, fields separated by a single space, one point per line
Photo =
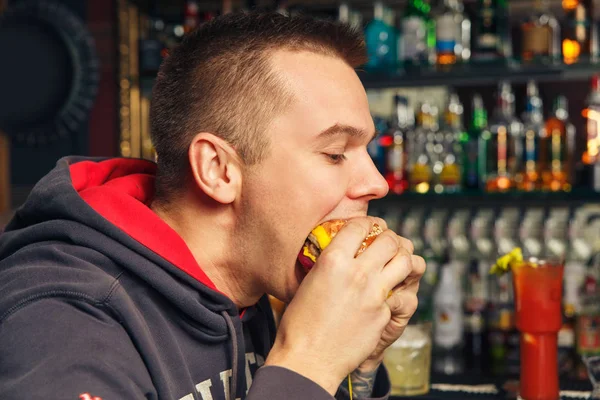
x=421 y=174
x=577 y=32
x=491 y=31
x=392 y=215
x=397 y=175
x=567 y=353
x=556 y=227
x=459 y=244
x=452 y=29
x=349 y=16
x=434 y=146
x=484 y=244
x=506 y=230
x=541 y=35
x=500 y=313
x=528 y=177
x=591 y=156
x=411 y=228
x=502 y=334
x=531 y=233
x=434 y=238
x=463 y=49
x=449 y=177
x=501 y=148
x=594 y=39
x=344 y=12
x=473 y=157
x=433 y=247
x=191 y=16
x=558 y=148
x=417 y=38
x=416 y=137
x=448 y=323
x=578 y=252
x=477 y=292
x=151 y=47
x=475 y=308
x=380 y=39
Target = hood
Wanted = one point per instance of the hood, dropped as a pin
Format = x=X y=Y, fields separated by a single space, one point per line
x=103 y=205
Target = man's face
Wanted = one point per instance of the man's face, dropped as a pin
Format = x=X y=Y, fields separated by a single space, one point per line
x=317 y=169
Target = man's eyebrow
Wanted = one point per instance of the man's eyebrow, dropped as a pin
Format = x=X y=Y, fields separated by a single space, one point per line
x=341 y=129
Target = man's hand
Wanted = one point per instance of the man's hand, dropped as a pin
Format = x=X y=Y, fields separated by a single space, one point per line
x=403 y=304
x=341 y=314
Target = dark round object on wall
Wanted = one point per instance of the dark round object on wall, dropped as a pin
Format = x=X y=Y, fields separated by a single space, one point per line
x=48 y=73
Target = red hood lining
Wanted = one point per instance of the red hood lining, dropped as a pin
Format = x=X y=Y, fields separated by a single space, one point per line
x=121 y=191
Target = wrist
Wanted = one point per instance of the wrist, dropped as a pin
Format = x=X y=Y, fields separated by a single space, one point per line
x=371 y=364
x=320 y=373
x=363 y=379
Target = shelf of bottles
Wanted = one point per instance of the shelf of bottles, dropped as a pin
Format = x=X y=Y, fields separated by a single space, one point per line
x=472 y=311
x=501 y=158
x=161 y=31
x=466 y=194
x=430 y=42
x=445 y=43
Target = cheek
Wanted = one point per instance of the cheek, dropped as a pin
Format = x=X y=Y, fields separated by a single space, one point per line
x=301 y=189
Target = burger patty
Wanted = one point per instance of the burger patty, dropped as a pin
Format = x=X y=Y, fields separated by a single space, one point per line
x=313 y=246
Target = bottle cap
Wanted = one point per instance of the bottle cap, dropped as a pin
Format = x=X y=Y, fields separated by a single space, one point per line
x=532 y=89
x=379 y=11
x=477 y=101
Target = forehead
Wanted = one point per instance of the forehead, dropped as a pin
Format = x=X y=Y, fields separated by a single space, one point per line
x=325 y=91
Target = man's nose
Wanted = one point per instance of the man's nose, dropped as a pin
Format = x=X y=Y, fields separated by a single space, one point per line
x=368 y=182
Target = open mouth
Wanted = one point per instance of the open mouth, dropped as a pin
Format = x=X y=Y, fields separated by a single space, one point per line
x=316 y=241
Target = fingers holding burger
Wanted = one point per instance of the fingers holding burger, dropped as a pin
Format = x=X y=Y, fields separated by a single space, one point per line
x=354 y=238
x=380 y=250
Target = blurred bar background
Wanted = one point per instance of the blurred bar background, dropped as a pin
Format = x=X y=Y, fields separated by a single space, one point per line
x=487 y=114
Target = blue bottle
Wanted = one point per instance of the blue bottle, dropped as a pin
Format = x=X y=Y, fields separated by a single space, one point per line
x=381 y=40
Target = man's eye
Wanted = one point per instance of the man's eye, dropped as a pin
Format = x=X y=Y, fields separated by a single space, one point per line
x=336 y=158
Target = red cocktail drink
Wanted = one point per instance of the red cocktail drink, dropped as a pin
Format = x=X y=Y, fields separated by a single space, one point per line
x=538 y=294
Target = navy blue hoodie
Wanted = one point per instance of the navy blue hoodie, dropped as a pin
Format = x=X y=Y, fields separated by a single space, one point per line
x=101 y=299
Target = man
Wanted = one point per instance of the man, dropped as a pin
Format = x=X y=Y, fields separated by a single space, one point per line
x=123 y=279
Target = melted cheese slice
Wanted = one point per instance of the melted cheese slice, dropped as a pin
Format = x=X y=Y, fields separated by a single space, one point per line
x=322 y=237
x=307 y=253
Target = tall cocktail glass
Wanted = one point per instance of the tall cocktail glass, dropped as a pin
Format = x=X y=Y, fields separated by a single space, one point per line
x=538 y=313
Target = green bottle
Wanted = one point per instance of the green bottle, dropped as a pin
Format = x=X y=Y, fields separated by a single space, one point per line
x=417 y=40
x=473 y=142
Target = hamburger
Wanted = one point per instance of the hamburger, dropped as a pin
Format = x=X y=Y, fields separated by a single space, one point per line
x=320 y=237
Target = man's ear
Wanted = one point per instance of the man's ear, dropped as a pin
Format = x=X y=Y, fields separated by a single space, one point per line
x=216 y=168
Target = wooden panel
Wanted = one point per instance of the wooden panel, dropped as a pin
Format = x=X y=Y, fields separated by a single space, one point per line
x=4 y=162
x=103 y=121
x=134 y=94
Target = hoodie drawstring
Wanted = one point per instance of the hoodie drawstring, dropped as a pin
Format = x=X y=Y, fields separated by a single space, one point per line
x=234 y=367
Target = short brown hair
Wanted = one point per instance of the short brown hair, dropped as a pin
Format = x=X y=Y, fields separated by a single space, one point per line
x=219 y=80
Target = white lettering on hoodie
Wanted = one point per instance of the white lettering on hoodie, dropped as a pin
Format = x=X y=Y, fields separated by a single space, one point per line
x=204 y=388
